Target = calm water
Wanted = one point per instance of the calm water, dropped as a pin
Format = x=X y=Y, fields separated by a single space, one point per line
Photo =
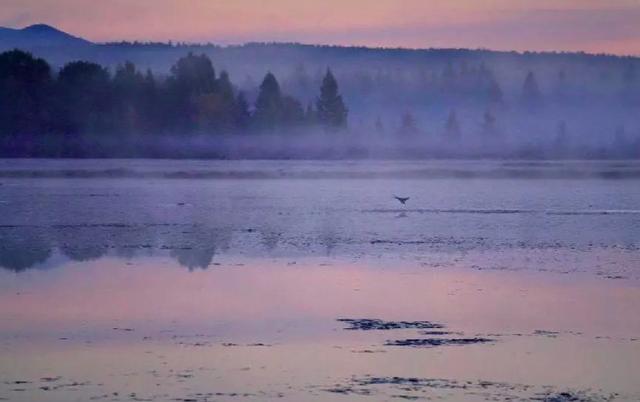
x=225 y=281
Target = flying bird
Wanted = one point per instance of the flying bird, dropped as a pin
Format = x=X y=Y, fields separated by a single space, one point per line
x=403 y=200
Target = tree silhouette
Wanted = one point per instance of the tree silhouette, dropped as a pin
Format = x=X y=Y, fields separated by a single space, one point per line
x=25 y=97
x=216 y=108
x=130 y=98
x=269 y=114
x=85 y=95
x=331 y=110
x=408 y=125
x=310 y=115
x=292 y=112
x=193 y=74
x=379 y=126
x=452 y=127
x=191 y=77
x=494 y=92
x=531 y=95
x=561 y=141
x=489 y=124
x=242 y=115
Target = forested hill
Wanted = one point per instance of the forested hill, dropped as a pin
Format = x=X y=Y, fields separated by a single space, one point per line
x=545 y=103
x=59 y=47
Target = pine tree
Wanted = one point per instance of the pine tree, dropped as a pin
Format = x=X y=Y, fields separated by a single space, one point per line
x=292 y=111
x=224 y=113
x=561 y=142
x=489 y=124
x=269 y=104
x=310 y=114
x=331 y=110
x=241 y=112
x=25 y=88
x=531 y=95
x=193 y=74
x=129 y=90
x=152 y=122
x=452 y=127
x=379 y=126
x=189 y=89
x=408 y=125
x=495 y=92
x=86 y=98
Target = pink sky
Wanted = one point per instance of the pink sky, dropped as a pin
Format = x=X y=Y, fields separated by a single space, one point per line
x=610 y=26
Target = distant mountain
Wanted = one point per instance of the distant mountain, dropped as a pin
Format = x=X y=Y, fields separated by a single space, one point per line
x=254 y=59
x=37 y=37
x=567 y=103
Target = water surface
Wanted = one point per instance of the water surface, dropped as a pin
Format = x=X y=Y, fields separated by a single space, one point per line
x=151 y=281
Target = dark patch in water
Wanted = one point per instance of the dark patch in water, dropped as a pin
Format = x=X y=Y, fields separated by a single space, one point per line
x=419 y=388
x=571 y=397
x=433 y=342
x=368 y=351
x=438 y=333
x=124 y=329
x=550 y=334
x=50 y=379
x=367 y=324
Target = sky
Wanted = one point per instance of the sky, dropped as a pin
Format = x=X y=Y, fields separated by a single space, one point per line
x=596 y=26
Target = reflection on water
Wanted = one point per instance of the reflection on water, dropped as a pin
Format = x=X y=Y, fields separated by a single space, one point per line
x=267 y=328
x=147 y=288
x=198 y=247
x=25 y=248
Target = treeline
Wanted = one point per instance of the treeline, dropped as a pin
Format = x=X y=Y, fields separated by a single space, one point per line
x=83 y=106
x=447 y=108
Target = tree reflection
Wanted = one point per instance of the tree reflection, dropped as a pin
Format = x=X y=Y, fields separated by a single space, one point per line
x=22 y=251
x=24 y=248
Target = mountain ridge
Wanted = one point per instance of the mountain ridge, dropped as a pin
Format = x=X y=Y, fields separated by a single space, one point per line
x=37 y=36
x=41 y=35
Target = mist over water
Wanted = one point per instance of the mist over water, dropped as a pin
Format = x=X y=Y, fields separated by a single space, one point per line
x=262 y=101
x=294 y=223
x=199 y=280
x=197 y=210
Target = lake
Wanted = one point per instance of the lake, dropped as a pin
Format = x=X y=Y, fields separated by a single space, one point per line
x=158 y=280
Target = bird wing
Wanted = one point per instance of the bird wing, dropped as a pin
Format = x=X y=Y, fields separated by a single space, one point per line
x=401 y=199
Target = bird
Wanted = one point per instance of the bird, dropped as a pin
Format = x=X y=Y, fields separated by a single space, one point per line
x=403 y=200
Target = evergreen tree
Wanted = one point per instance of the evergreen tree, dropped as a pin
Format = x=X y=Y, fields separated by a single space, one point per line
x=269 y=104
x=531 y=95
x=129 y=86
x=25 y=95
x=218 y=106
x=408 y=125
x=242 y=114
x=85 y=95
x=495 y=94
x=561 y=142
x=331 y=110
x=379 y=126
x=292 y=111
x=310 y=115
x=152 y=121
x=489 y=124
x=452 y=127
x=561 y=89
x=192 y=79
x=193 y=74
